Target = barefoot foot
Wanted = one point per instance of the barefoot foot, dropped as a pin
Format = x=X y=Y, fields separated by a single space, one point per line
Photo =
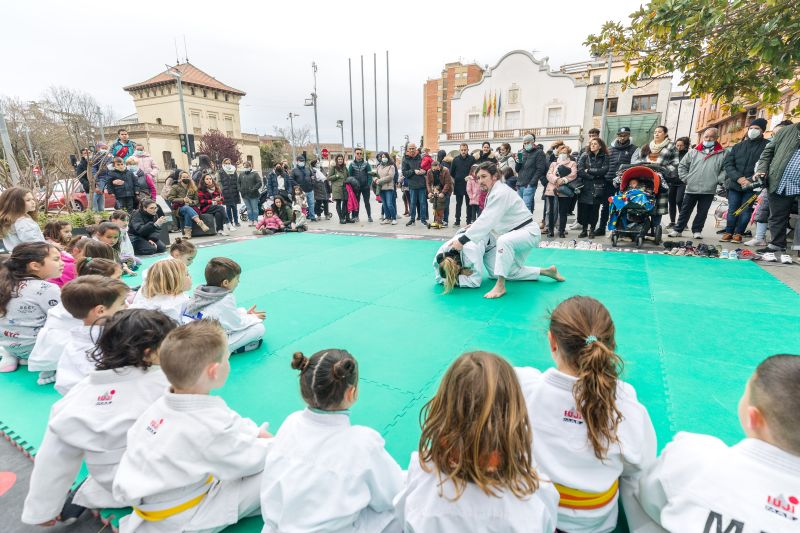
x=552 y=272
x=496 y=292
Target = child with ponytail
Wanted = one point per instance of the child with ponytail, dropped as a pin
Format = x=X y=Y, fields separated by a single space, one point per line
x=474 y=470
x=323 y=474
x=165 y=288
x=593 y=437
x=462 y=268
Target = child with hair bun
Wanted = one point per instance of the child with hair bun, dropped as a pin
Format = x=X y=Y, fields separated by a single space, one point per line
x=165 y=289
x=593 y=437
x=474 y=470
x=322 y=473
x=181 y=249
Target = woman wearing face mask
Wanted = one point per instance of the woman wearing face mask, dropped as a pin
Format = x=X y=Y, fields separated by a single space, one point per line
x=143 y=184
x=505 y=159
x=592 y=169
x=279 y=183
x=229 y=181
x=320 y=191
x=249 y=186
x=337 y=174
x=676 y=186
x=385 y=183
x=562 y=171
x=184 y=199
x=660 y=151
x=739 y=167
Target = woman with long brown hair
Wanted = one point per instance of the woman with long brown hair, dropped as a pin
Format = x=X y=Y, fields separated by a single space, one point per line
x=591 y=433
x=18 y=218
x=474 y=470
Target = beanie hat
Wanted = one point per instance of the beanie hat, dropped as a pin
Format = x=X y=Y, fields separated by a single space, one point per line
x=529 y=138
x=761 y=123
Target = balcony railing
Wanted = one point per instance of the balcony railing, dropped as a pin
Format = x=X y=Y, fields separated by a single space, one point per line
x=554 y=132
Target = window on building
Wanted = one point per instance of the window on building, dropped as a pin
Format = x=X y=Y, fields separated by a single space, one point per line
x=216 y=95
x=554 y=115
x=212 y=122
x=169 y=163
x=158 y=121
x=598 y=107
x=196 y=122
x=229 y=126
x=596 y=79
x=192 y=90
x=513 y=94
x=472 y=122
x=513 y=120
x=644 y=103
x=205 y=93
x=250 y=159
x=226 y=97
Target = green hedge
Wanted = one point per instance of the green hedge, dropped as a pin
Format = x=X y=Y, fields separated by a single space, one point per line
x=76 y=219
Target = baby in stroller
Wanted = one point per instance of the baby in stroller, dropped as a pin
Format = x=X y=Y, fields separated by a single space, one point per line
x=633 y=206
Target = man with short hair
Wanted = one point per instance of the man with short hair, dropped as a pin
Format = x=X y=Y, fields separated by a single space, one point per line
x=702 y=171
x=594 y=133
x=530 y=170
x=780 y=166
x=302 y=177
x=361 y=170
x=123 y=147
x=459 y=170
x=415 y=177
x=619 y=153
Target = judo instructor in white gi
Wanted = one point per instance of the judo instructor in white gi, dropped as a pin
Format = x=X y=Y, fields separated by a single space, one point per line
x=511 y=222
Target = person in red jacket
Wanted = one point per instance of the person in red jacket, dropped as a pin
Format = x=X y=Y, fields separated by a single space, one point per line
x=211 y=202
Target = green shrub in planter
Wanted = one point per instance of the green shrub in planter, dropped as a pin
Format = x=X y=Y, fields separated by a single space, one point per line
x=76 y=219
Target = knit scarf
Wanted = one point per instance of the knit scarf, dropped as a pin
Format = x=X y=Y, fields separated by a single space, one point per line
x=656 y=147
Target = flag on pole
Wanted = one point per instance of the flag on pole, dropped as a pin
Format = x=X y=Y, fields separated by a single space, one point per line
x=494 y=103
x=484 y=104
x=489 y=108
x=499 y=103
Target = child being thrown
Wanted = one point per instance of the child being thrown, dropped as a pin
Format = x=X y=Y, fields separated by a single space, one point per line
x=635 y=194
x=215 y=299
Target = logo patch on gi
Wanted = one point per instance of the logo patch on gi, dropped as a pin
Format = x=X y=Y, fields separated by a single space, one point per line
x=572 y=416
x=153 y=426
x=106 y=398
x=783 y=506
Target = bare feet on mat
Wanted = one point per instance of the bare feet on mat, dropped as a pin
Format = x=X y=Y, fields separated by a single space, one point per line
x=497 y=291
x=551 y=272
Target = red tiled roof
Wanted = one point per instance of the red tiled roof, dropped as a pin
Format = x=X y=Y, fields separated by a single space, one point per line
x=189 y=74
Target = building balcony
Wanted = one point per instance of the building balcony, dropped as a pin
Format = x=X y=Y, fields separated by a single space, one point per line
x=489 y=135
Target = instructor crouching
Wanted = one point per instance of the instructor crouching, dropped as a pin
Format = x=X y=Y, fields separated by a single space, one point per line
x=509 y=219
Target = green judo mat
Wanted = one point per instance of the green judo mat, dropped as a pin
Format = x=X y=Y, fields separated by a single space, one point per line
x=690 y=331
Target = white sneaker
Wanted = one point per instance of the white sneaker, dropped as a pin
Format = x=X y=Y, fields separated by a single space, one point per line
x=697 y=235
x=394 y=222
x=575 y=225
x=755 y=242
x=786 y=259
x=674 y=233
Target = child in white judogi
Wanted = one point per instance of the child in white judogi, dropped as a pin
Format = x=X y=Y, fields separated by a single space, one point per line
x=91 y=422
x=87 y=298
x=701 y=484
x=50 y=343
x=215 y=299
x=447 y=490
x=323 y=474
x=192 y=463
x=592 y=436
x=461 y=268
x=165 y=290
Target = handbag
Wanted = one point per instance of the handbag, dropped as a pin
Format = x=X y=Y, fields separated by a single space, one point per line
x=571 y=188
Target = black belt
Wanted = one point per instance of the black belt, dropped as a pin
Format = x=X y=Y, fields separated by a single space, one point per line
x=523 y=224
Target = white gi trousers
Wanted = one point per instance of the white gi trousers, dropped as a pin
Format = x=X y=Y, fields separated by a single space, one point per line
x=508 y=257
x=252 y=333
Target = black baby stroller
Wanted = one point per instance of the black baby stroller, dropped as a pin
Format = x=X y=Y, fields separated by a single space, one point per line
x=635 y=219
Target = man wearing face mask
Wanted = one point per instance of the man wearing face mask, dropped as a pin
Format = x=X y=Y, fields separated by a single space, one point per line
x=531 y=169
x=302 y=177
x=739 y=167
x=362 y=171
x=701 y=170
x=249 y=187
x=143 y=185
x=619 y=153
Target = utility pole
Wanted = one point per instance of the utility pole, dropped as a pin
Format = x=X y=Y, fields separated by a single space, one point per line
x=291 y=133
x=12 y=162
x=363 y=110
x=388 y=122
x=177 y=74
x=100 y=124
x=352 y=131
x=314 y=103
x=340 y=125
x=375 y=80
x=605 y=99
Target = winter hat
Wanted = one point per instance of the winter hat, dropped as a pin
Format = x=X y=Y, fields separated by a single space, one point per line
x=529 y=138
x=761 y=123
x=101 y=145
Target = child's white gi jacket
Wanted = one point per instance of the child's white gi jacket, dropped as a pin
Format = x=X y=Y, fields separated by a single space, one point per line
x=75 y=364
x=174 y=306
x=421 y=508
x=50 y=342
x=701 y=484
x=588 y=486
x=322 y=474
x=89 y=424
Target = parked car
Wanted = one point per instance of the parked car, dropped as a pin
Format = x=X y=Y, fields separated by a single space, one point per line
x=71 y=192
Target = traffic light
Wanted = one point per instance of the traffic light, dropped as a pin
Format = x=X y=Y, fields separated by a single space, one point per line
x=187 y=144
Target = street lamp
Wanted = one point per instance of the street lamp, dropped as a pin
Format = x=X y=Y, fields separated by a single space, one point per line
x=291 y=118
x=340 y=125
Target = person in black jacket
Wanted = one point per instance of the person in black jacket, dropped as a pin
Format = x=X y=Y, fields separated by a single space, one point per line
x=415 y=177
x=592 y=170
x=531 y=170
x=619 y=153
x=229 y=181
x=121 y=183
x=459 y=170
x=740 y=165
x=204 y=166
x=145 y=229
x=361 y=170
x=80 y=170
x=303 y=177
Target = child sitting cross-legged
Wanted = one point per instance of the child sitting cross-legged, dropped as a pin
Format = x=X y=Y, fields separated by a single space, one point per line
x=322 y=473
x=165 y=288
x=192 y=463
x=215 y=299
x=91 y=422
x=109 y=233
x=126 y=252
x=87 y=298
x=269 y=223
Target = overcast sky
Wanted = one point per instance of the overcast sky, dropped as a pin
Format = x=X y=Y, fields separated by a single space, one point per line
x=266 y=50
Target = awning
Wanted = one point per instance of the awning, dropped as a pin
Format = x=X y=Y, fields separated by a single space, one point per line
x=641 y=125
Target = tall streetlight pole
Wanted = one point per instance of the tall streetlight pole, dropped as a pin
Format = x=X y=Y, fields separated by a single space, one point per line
x=177 y=74
x=340 y=125
x=291 y=118
x=313 y=102
x=352 y=129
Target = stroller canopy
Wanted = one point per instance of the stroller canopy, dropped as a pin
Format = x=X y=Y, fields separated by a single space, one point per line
x=640 y=172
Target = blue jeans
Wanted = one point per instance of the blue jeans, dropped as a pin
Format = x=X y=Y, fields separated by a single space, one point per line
x=232 y=213
x=310 y=200
x=389 y=208
x=737 y=224
x=419 y=204
x=253 y=209
x=446 y=207
x=188 y=214
x=98 y=202
x=526 y=193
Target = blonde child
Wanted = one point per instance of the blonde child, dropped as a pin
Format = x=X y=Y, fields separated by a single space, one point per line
x=474 y=470
x=462 y=268
x=215 y=299
x=165 y=289
x=18 y=218
x=191 y=462
x=269 y=223
x=90 y=423
x=25 y=299
x=593 y=437
x=89 y=299
x=109 y=233
x=181 y=249
x=322 y=473
x=701 y=484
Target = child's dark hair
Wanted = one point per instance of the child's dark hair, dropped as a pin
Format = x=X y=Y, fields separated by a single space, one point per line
x=104 y=227
x=119 y=214
x=325 y=377
x=182 y=247
x=77 y=241
x=52 y=230
x=98 y=250
x=773 y=389
x=127 y=335
x=97 y=265
x=84 y=293
x=584 y=333
x=220 y=269
x=508 y=172
x=15 y=269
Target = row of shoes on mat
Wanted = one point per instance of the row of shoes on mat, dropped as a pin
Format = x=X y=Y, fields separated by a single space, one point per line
x=573 y=245
x=686 y=248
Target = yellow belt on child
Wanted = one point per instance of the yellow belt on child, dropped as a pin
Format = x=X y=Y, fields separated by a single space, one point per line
x=578 y=499
x=163 y=514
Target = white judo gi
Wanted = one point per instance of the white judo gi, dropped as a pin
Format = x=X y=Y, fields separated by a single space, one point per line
x=701 y=484
x=502 y=217
x=324 y=475
x=472 y=257
x=50 y=342
x=421 y=509
x=89 y=424
x=564 y=455
x=241 y=327
x=174 y=306
x=190 y=452
x=74 y=363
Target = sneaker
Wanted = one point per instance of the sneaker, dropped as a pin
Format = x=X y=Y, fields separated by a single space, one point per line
x=239 y=225
x=544 y=244
x=46 y=377
x=369 y=219
x=769 y=257
x=786 y=259
x=769 y=248
x=755 y=242
x=747 y=254
x=575 y=225
x=670 y=225
x=674 y=233
x=733 y=255
x=410 y=223
x=250 y=346
x=727 y=237
x=445 y=224
x=736 y=238
x=384 y=221
x=8 y=363
x=697 y=235
x=394 y=222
